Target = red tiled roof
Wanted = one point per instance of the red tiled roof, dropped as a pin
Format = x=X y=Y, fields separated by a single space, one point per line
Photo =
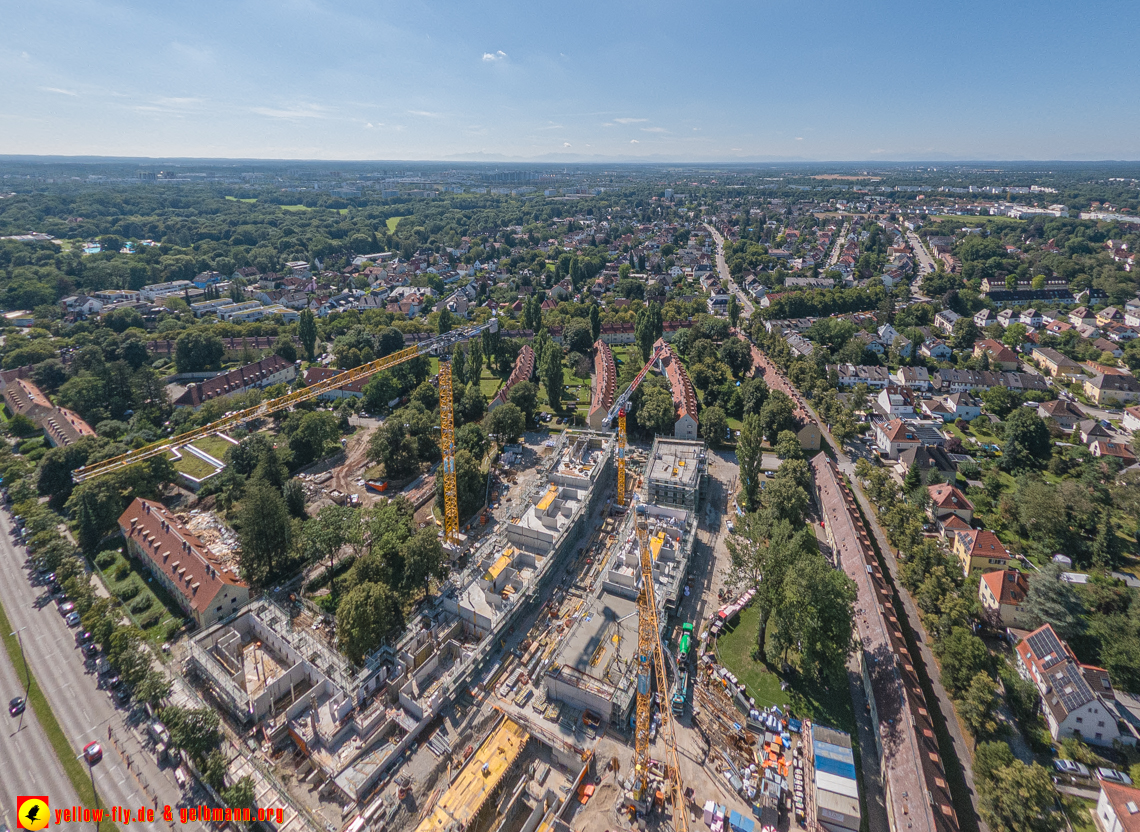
x=1123 y=799
x=1009 y=586
x=684 y=395
x=605 y=378
x=177 y=552
x=948 y=497
x=983 y=543
x=315 y=375
x=524 y=369
x=241 y=378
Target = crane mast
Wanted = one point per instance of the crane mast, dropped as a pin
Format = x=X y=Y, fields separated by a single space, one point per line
x=650 y=657
x=439 y=346
x=618 y=411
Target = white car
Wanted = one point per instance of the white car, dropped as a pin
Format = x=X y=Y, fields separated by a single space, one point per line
x=1071 y=767
x=1111 y=775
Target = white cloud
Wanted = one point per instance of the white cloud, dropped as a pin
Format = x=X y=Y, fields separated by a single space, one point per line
x=566 y=144
x=630 y=120
x=304 y=111
x=654 y=130
x=634 y=141
x=491 y=57
x=58 y=90
x=368 y=126
x=424 y=113
x=799 y=138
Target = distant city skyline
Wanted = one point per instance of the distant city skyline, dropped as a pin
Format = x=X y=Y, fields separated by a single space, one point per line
x=722 y=82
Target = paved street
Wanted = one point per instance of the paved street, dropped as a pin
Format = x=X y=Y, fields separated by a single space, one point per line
x=39 y=770
x=747 y=308
x=128 y=774
x=925 y=261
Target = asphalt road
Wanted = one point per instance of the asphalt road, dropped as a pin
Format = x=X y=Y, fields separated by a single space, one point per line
x=38 y=770
x=925 y=261
x=83 y=710
x=746 y=309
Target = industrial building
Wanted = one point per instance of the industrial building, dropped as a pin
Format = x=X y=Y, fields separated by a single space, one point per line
x=676 y=473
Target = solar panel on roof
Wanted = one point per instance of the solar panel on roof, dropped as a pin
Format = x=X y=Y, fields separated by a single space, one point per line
x=1073 y=691
x=1045 y=643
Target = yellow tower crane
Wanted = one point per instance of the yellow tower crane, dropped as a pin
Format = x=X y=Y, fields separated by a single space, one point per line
x=618 y=411
x=439 y=346
x=650 y=657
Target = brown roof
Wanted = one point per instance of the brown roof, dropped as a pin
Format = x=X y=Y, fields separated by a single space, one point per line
x=315 y=375
x=241 y=378
x=982 y=543
x=605 y=378
x=177 y=552
x=948 y=497
x=1125 y=801
x=524 y=369
x=65 y=427
x=1009 y=586
x=684 y=395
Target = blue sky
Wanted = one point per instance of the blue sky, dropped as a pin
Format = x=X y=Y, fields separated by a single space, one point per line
x=711 y=81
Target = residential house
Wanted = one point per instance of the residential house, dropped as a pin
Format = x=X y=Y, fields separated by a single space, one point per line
x=850 y=375
x=1121 y=388
x=961 y=406
x=927 y=459
x=206 y=589
x=895 y=340
x=604 y=386
x=946 y=319
x=894 y=436
x=1131 y=420
x=894 y=402
x=684 y=394
x=1056 y=364
x=1082 y=316
x=1109 y=315
x=1002 y=596
x=913 y=378
x=1074 y=696
x=272 y=369
x=980 y=549
x=158 y=291
x=1118 y=808
x=319 y=375
x=1005 y=317
x=522 y=371
x=984 y=318
x=1062 y=411
x=936 y=349
x=82 y=305
x=1001 y=356
x=948 y=499
x=1090 y=430
x=1112 y=348
x=1113 y=449
x=1031 y=318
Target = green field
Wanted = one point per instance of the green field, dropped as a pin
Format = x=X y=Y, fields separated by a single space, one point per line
x=193 y=466
x=235 y=199
x=735 y=650
x=295 y=208
x=392 y=223
x=160 y=600
x=215 y=446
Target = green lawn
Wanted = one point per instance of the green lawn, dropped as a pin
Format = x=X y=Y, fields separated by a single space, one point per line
x=392 y=223
x=193 y=466
x=235 y=199
x=215 y=446
x=489 y=384
x=295 y=208
x=160 y=599
x=1079 y=812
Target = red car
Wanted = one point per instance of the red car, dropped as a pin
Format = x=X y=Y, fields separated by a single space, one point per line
x=92 y=753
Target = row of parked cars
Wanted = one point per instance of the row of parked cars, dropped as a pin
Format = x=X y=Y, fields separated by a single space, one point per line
x=1108 y=775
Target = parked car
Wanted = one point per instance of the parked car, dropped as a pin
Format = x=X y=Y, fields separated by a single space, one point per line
x=1111 y=775
x=1071 y=767
x=72 y=619
x=122 y=695
x=16 y=706
x=159 y=733
x=90 y=651
x=92 y=753
x=66 y=608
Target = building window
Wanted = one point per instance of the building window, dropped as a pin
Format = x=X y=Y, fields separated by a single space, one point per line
x=1079 y=720
x=1099 y=736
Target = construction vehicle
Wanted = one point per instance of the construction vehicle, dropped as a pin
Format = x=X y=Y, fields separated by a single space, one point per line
x=441 y=346
x=650 y=657
x=680 y=694
x=686 y=644
x=618 y=412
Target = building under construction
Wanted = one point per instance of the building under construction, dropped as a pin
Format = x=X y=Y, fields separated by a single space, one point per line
x=595 y=667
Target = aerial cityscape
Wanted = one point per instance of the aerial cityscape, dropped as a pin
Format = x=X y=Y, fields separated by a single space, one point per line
x=462 y=437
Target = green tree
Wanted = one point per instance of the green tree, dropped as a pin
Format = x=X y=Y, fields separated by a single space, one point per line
x=379 y=390
x=1020 y=798
x=524 y=396
x=153 y=688
x=913 y=479
x=285 y=348
x=784 y=500
x=714 y=425
x=777 y=414
x=552 y=378
x=475 y=361
x=392 y=447
x=459 y=365
x=989 y=759
x=194 y=730
x=963 y=656
x=978 y=706
x=264 y=532
x=788 y=446
x=749 y=454
x=241 y=795
x=1106 y=546
x=1027 y=441
x=505 y=423
x=733 y=310
x=443 y=324
x=365 y=617
x=595 y=323
x=737 y=355
x=656 y=412
x=815 y=616
x=315 y=437
x=307 y=332
x=197 y=350
x=333 y=529
x=472 y=439
x=1055 y=602
x=423 y=559
x=473 y=406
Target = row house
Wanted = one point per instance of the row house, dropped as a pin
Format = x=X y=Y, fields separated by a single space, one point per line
x=961 y=381
x=1056 y=364
x=522 y=371
x=1001 y=357
x=272 y=369
x=849 y=375
x=605 y=385
x=952 y=406
x=684 y=394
